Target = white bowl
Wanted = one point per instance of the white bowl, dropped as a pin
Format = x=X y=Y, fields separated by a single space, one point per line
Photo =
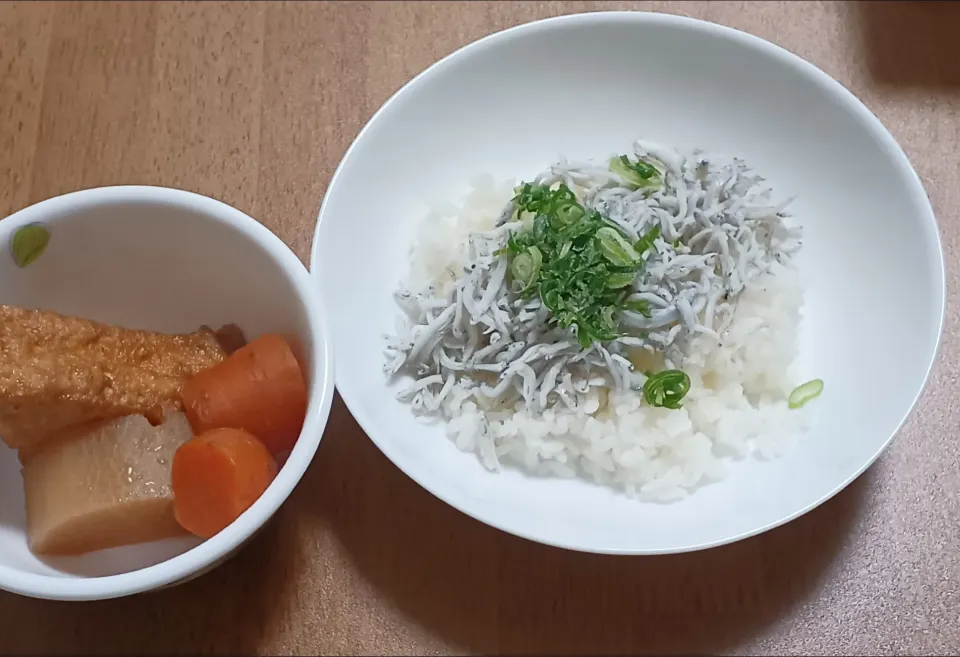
x=164 y=260
x=586 y=86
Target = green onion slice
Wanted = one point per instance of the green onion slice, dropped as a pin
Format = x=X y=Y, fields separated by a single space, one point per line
x=636 y=174
x=566 y=214
x=620 y=279
x=615 y=248
x=804 y=393
x=638 y=306
x=645 y=243
x=666 y=389
x=526 y=266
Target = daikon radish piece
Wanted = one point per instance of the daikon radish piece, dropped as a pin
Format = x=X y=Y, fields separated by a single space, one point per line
x=103 y=485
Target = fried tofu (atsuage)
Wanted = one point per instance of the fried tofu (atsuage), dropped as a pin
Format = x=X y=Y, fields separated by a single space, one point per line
x=57 y=371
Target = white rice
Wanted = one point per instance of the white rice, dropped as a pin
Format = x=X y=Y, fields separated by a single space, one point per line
x=736 y=406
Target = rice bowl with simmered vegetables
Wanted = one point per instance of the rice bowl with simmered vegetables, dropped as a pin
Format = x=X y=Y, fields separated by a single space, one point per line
x=632 y=321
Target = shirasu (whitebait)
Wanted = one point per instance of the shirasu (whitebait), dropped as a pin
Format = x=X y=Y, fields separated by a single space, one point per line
x=719 y=230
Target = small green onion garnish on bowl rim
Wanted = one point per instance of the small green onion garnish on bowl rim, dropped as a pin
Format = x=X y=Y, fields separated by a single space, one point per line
x=805 y=392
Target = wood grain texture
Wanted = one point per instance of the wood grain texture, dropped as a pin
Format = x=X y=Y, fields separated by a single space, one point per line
x=255 y=104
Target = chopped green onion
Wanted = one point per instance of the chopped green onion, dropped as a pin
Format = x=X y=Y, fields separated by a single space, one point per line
x=638 y=174
x=645 y=243
x=574 y=259
x=804 y=393
x=615 y=248
x=638 y=306
x=618 y=280
x=666 y=389
x=566 y=215
x=526 y=266
x=29 y=243
x=551 y=299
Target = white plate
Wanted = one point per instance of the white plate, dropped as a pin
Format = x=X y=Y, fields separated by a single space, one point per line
x=588 y=85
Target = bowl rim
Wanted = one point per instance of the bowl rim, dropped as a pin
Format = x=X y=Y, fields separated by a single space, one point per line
x=209 y=553
x=351 y=394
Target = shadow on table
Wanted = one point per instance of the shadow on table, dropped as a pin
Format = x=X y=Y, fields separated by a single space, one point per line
x=194 y=618
x=911 y=44
x=491 y=592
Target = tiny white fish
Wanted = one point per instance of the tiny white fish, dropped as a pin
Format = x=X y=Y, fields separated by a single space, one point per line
x=481 y=345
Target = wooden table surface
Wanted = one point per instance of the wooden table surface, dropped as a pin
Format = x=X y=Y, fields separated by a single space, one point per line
x=255 y=104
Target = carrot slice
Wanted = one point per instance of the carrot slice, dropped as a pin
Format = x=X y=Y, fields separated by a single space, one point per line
x=216 y=476
x=259 y=388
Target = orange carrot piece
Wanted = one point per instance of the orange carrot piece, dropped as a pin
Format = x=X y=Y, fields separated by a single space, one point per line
x=216 y=476
x=259 y=388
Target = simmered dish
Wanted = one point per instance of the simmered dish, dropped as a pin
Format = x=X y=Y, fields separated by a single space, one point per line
x=632 y=322
x=130 y=436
